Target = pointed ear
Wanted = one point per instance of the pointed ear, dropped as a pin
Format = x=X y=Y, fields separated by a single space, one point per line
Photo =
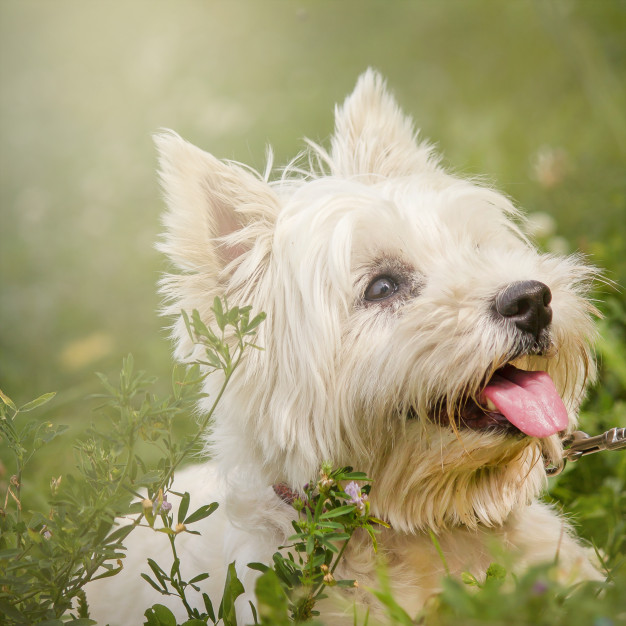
x=212 y=206
x=373 y=138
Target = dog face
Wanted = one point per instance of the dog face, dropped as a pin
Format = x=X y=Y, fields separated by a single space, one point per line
x=412 y=331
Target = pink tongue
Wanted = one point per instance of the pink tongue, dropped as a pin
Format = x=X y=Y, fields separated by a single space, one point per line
x=529 y=400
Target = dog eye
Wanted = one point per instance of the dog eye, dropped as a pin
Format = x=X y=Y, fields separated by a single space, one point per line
x=381 y=288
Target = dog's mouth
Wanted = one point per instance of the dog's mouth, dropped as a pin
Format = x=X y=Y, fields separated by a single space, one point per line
x=513 y=401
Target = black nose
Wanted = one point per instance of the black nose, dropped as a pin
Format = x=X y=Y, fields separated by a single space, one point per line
x=527 y=303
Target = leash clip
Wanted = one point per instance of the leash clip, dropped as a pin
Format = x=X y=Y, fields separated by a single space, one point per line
x=579 y=444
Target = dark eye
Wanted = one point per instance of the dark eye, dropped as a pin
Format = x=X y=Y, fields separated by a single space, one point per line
x=381 y=288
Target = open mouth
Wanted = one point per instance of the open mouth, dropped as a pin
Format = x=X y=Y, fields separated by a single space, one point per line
x=515 y=401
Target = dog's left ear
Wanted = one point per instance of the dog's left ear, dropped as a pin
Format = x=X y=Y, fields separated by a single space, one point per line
x=373 y=138
x=215 y=208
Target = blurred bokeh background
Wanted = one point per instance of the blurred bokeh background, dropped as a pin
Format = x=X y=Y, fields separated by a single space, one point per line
x=530 y=94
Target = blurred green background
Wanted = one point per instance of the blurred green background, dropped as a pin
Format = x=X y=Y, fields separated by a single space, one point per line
x=530 y=94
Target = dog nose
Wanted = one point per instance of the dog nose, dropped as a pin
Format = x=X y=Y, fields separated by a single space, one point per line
x=527 y=304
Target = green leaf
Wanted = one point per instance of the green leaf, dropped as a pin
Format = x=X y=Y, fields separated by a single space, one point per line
x=254 y=323
x=159 y=573
x=201 y=513
x=119 y=534
x=159 y=615
x=219 y=313
x=254 y=613
x=354 y=476
x=335 y=525
x=151 y=582
x=108 y=573
x=53 y=432
x=133 y=507
x=149 y=478
x=232 y=590
x=342 y=510
x=107 y=385
x=496 y=572
x=310 y=545
x=208 y=606
x=211 y=360
x=397 y=615
x=330 y=546
x=372 y=534
x=198 y=578
x=187 y=324
x=233 y=315
x=272 y=602
x=9 y=553
x=7 y=401
x=435 y=542
x=175 y=569
x=9 y=611
x=259 y=567
x=200 y=327
x=469 y=579
x=41 y=400
x=184 y=507
x=380 y=522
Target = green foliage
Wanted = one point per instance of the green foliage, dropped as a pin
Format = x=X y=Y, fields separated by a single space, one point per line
x=46 y=558
x=288 y=588
x=330 y=513
x=234 y=326
x=535 y=597
x=272 y=600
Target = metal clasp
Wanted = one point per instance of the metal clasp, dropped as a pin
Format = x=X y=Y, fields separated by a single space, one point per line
x=580 y=444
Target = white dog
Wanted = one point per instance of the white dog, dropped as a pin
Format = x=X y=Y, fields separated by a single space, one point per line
x=412 y=333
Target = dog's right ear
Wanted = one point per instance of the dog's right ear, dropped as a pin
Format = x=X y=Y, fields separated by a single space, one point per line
x=215 y=208
x=373 y=138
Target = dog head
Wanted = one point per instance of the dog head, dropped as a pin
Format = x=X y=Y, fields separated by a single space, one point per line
x=412 y=331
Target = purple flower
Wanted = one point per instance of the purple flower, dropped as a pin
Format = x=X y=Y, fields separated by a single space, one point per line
x=161 y=506
x=356 y=497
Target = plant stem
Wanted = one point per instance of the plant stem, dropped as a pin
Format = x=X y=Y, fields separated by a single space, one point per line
x=178 y=584
x=183 y=454
x=343 y=548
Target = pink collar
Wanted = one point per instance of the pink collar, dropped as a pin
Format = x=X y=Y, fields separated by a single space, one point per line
x=285 y=493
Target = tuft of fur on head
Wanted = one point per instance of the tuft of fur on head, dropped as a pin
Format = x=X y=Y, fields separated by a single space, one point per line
x=358 y=382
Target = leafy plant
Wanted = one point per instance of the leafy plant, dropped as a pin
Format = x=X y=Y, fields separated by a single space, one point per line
x=47 y=558
x=534 y=597
x=330 y=513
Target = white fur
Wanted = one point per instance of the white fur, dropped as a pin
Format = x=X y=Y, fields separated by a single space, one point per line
x=338 y=376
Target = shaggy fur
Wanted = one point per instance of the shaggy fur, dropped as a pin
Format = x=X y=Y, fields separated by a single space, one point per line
x=378 y=385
